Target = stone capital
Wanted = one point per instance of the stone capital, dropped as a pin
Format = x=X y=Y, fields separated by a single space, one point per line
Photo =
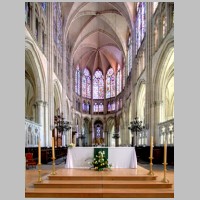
x=39 y=103
x=45 y=103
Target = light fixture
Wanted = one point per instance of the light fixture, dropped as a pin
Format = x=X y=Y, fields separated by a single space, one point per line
x=136 y=126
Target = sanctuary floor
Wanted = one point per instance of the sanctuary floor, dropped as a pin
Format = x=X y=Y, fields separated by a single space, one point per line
x=31 y=174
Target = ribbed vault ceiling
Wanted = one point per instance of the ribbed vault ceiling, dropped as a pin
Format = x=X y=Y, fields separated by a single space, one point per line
x=97 y=33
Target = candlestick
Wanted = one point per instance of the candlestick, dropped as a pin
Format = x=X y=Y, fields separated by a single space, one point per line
x=39 y=152
x=151 y=157
x=53 y=150
x=151 y=147
x=165 y=162
x=165 y=152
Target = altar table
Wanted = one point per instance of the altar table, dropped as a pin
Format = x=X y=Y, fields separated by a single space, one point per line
x=119 y=157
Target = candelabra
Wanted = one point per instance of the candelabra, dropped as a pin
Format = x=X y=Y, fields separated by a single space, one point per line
x=136 y=126
x=60 y=124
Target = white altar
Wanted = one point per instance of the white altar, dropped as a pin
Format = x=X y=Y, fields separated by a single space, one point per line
x=119 y=157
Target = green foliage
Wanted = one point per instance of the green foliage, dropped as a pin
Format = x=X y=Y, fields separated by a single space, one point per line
x=100 y=162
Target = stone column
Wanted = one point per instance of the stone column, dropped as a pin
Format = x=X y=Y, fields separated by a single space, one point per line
x=63 y=139
x=66 y=137
x=149 y=113
x=40 y=120
x=64 y=78
x=116 y=142
x=46 y=124
x=105 y=100
x=50 y=58
x=92 y=125
x=105 y=131
x=126 y=130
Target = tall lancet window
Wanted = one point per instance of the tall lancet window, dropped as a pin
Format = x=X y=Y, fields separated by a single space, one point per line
x=110 y=83
x=28 y=13
x=44 y=6
x=129 y=55
x=86 y=84
x=55 y=22
x=140 y=23
x=164 y=26
x=57 y=25
x=119 y=79
x=98 y=85
x=77 y=80
x=101 y=107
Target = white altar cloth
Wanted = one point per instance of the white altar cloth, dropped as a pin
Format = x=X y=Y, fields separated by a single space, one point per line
x=119 y=157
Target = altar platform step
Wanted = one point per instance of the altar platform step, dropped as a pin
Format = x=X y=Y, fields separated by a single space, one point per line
x=101 y=184
x=102 y=177
x=99 y=193
x=117 y=183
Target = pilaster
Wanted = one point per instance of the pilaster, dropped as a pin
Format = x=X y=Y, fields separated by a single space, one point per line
x=50 y=68
x=149 y=113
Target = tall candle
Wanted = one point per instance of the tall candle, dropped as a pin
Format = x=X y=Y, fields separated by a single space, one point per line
x=39 y=152
x=151 y=147
x=53 y=149
x=165 y=152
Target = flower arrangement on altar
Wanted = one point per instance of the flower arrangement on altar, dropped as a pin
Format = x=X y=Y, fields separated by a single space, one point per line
x=71 y=145
x=100 y=162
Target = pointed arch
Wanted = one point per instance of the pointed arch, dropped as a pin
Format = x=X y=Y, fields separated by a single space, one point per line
x=164 y=73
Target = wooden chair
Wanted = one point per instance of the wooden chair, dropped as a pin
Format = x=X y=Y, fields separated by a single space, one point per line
x=29 y=160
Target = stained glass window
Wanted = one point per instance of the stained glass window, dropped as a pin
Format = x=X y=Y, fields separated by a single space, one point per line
x=98 y=85
x=119 y=79
x=44 y=6
x=129 y=55
x=88 y=107
x=110 y=83
x=84 y=106
x=77 y=80
x=100 y=107
x=59 y=29
x=27 y=13
x=156 y=34
x=96 y=107
x=57 y=24
x=164 y=25
x=140 y=23
x=113 y=106
x=86 y=83
x=109 y=106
